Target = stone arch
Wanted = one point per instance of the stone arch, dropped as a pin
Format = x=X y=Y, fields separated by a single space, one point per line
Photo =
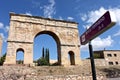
x=24 y=28
x=20 y=61
x=57 y=40
x=20 y=49
x=71 y=57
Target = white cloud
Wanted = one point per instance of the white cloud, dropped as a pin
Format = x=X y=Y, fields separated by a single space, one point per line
x=3 y=37
x=35 y=4
x=1 y=25
x=102 y=43
x=117 y=34
x=84 y=47
x=87 y=26
x=83 y=17
x=99 y=43
x=116 y=11
x=49 y=10
x=28 y=13
x=70 y=18
x=92 y=16
x=60 y=18
x=6 y=28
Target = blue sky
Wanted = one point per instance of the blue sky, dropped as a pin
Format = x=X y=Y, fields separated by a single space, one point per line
x=85 y=12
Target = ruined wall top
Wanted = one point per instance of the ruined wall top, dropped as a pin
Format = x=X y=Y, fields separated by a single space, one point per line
x=41 y=20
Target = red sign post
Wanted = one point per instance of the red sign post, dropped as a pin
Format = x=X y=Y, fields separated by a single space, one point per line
x=102 y=24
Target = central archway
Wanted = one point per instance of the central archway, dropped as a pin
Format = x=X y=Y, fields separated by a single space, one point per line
x=55 y=37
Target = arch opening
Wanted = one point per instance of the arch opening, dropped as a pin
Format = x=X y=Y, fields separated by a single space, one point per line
x=71 y=57
x=20 y=56
x=47 y=40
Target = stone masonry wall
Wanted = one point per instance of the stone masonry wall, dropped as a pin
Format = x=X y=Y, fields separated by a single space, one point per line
x=98 y=62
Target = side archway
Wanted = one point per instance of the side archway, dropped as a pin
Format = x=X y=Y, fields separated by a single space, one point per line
x=71 y=57
x=20 y=56
x=57 y=40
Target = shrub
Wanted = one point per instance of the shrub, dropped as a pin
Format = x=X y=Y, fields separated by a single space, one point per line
x=42 y=61
x=2 y=59
x=20 y=62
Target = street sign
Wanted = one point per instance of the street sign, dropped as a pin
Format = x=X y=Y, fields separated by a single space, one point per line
x=101 y=25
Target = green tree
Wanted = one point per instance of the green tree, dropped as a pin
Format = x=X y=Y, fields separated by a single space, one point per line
x=2 y=59
x=43 y=53
x=19 y=61
x=47 y=55
x=42 y=61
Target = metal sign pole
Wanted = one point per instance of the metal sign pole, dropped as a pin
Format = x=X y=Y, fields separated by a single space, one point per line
x=92 y=61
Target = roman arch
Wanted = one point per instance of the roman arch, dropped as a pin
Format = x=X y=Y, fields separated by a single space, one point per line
x=24 y=28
